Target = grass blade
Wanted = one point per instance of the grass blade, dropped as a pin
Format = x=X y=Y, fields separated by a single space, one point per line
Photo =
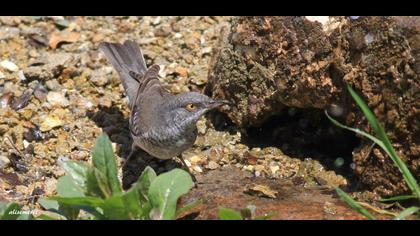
x=353 y=204
x=407 y=212
x=398 y=198
x=386 y=144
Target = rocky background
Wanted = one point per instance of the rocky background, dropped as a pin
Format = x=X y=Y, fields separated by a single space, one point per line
x=268 y=64
x=58 y=93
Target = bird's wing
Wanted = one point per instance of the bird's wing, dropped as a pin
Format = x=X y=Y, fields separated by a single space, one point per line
x=149 y=97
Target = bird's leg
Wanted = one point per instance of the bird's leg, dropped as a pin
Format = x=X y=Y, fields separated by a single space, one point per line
x=187 y=169
x=130 y=155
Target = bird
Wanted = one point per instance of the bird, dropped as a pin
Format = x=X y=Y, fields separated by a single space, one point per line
x=161 y=123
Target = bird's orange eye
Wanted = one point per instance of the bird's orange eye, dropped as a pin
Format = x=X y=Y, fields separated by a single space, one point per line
x=191 y=107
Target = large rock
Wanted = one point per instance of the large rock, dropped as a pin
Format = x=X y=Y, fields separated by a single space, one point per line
x=264 y=64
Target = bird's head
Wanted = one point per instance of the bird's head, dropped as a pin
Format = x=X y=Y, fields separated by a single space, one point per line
x=186 y=108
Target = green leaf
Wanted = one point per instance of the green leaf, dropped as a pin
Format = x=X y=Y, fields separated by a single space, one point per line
x=49 y=205
x=114 y=208
x=71 y=206
x=77 y=171
x=143 y=183
x=165 y=190
x=123 y=207
x=386 y=144
x=96 y=184
x=353 y=204
x=66 y=187
x=50 y=216
x=79 y=201
x=398 y=198
x=25 y=217
x=9 y=211
x=407 y=212
x=229 y=214
x=104 y=160
x=62 y=209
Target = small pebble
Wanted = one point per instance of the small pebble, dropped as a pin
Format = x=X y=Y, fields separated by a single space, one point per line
x=249 y=168
x=50 y=122
x=53 y=85
x=57 y=99
x=198 y=169
x=40 y=93
x=8 y=65
x=187 y=162
x=213 y=165
x=4 y=162
x=195 y=159
x=26 y=143
x=259 y=168
x=21 y=76
x=206 y=50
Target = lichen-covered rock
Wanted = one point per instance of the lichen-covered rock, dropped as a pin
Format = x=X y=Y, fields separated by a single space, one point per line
x=264 y=64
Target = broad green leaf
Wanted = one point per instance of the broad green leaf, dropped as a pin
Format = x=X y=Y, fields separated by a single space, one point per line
x=407 y=212
x=387 y=146
x=3 y=207
x=66 y=187
x=77 y=171
x=123 y=207
x=353 y=204
x=63 y=209
x=9 y=211
x=114 y=208
x=104 y=160
x=398 y=198
x=132 y=204
x=96 y=184
x=49 y=205
x=165 y=190
x=143 y=183
x=139 y=191
x=229 y=214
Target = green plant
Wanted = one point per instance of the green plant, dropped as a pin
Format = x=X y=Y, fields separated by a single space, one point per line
x=94 y=192
x=247 y=213
x=11 y=211
x=382 y=141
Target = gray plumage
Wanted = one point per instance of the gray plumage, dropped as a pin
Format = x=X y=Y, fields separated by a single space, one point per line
x=161 y=123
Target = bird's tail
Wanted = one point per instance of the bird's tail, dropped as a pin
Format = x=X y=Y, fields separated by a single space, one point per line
x=126 y=58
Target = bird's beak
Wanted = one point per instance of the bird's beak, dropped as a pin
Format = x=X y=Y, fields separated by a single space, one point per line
x=218 y=103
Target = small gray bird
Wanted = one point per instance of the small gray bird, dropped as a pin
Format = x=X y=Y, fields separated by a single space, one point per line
x=161 y=123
